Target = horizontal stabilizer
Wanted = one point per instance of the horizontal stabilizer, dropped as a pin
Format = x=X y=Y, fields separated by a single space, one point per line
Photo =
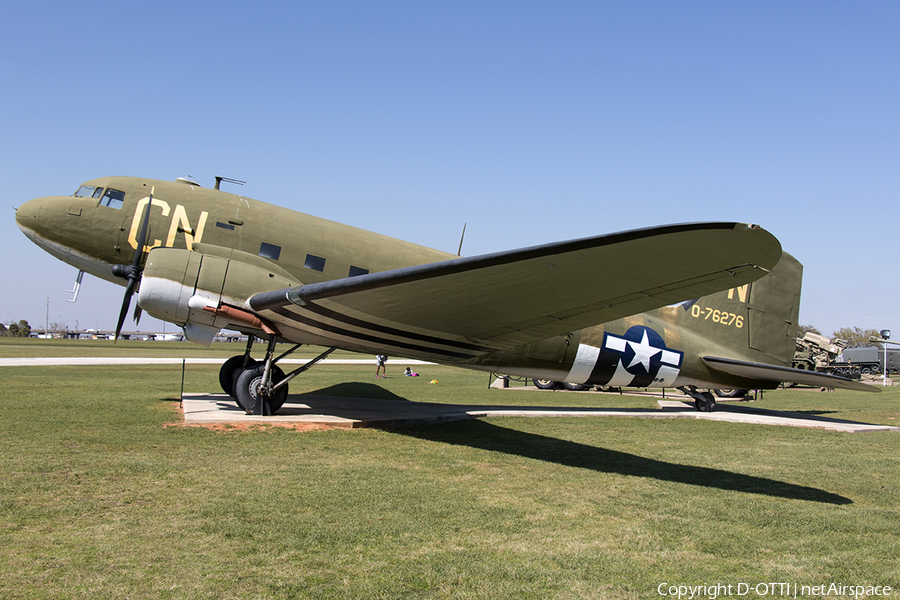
x=766 y=372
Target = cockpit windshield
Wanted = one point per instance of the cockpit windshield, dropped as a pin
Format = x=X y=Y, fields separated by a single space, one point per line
x=89 y=191
x=113 y=198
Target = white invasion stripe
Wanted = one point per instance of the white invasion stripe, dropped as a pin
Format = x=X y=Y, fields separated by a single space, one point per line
x=622 y=378
x=666 y=376
x=585 y=361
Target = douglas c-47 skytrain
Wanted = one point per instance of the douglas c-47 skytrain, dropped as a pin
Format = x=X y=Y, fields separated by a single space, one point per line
x=695 y=306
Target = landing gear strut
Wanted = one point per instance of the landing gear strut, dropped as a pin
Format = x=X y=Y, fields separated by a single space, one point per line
x=260 y=388
x=703 y=401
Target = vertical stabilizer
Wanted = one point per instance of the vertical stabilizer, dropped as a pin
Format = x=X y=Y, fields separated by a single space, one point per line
x=775 y=310
x=757 y=321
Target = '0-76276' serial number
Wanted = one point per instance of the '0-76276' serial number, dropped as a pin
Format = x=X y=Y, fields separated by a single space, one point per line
x=717 y=316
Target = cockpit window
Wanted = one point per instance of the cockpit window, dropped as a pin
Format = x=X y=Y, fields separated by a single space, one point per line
x=113 y=198
x=89 y=191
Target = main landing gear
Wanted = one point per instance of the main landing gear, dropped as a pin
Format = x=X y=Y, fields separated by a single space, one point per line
x=260 y=387
x=703 y=401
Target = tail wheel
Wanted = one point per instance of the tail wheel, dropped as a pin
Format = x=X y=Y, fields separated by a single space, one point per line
x=247 y=388
x=544 y=384
x=574 y=387
x=704 y=402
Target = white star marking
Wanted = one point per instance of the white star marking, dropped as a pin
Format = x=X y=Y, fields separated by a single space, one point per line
x=643 y=352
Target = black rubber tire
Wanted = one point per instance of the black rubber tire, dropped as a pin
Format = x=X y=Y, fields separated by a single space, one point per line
x=544 y=384
x=573 y=387
x=226 y=372
x=706 y=404
x=236 y=374
x=247 y=386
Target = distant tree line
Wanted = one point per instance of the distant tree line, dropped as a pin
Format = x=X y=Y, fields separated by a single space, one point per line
x=856 y=337
x=20 y=329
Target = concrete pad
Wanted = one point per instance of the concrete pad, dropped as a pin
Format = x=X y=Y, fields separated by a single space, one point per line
x=762 y=416
x=333 y=411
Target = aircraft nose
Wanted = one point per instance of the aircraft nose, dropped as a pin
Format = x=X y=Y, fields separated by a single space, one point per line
x=27 y=215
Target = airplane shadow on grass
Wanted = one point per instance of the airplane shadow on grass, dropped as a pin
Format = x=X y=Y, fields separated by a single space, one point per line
x=491 y=437
x=475 y=433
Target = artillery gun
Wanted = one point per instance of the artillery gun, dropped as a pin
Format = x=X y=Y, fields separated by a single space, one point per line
x=816 y=352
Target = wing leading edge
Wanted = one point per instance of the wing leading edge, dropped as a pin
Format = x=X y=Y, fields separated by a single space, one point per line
x=458 y=309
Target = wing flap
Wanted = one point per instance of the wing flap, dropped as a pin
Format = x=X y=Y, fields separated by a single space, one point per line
x=772 y=373
x=510 y=298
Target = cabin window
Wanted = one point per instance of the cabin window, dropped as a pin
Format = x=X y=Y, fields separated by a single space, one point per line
x=355 y=271
x=89 y=191
x=269 y=251
x=316 y=263
x=227 y=226
x=113 y=198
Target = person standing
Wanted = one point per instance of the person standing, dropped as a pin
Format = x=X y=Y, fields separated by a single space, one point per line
x=380 y=360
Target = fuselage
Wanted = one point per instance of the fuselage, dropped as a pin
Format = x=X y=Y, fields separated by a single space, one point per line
x=97 y=227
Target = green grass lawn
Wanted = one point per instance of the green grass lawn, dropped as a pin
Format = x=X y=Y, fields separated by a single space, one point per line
x=104 y=495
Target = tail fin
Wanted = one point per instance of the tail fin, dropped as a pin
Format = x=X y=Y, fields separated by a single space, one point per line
x=775 y=310
x=750 y=332
x=757 y=321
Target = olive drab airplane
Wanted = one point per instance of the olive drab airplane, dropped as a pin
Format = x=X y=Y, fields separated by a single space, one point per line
x=697 y=307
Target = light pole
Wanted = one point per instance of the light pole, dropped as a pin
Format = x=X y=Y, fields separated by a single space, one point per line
x=884 y=339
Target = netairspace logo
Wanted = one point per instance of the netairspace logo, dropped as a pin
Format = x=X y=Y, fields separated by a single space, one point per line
x=770 y=590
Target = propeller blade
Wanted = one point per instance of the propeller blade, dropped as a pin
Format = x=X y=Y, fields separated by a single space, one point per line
x=134 y=272
x=132 y=282
x=142 y=236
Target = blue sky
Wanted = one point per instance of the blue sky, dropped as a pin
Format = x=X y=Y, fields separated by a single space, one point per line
x=530 y=121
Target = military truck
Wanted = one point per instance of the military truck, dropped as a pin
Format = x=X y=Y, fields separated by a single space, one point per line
x=868 y=360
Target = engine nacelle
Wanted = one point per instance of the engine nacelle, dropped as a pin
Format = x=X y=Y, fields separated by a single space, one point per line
x=185 y=287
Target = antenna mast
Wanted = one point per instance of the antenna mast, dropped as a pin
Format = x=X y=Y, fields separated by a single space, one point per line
x=461 y=238
x=219 y=180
